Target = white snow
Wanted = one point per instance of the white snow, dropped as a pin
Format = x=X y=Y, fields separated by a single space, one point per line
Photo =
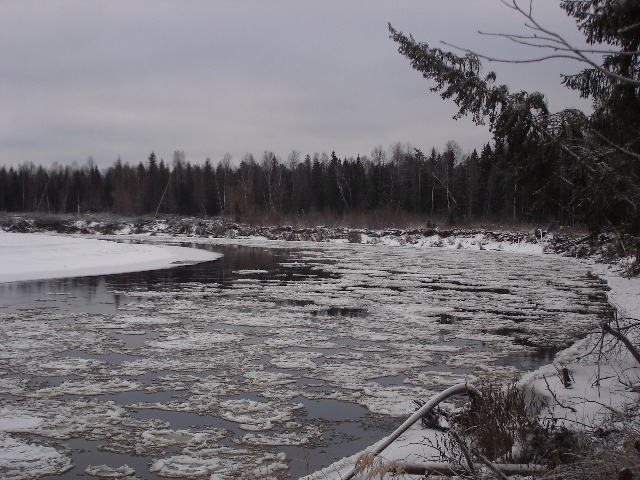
x=17 y=423
x=30 y=256
x=220 y=464
x=104 y=471
x=597 y=386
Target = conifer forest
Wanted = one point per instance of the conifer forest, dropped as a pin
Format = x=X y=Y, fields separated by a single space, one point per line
x=446 y=185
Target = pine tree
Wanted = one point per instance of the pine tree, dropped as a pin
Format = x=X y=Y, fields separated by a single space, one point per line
x=595 y=157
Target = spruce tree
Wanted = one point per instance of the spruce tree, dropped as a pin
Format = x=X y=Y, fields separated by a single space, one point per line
x=596 y=157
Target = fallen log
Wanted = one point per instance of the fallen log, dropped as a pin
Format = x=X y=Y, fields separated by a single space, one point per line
x=450 y=469
x=459 y=389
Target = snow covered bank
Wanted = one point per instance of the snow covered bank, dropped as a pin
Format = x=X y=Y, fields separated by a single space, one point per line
x=601 y=378
x=520 y=241
x=25 y=256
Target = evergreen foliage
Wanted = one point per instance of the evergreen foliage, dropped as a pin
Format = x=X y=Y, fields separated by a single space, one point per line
x=445 y=185
x=588 y=164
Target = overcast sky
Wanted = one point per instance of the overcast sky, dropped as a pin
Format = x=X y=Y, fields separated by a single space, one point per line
x=120 y=78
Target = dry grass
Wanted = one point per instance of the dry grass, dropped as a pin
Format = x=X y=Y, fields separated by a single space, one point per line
x=370 y=466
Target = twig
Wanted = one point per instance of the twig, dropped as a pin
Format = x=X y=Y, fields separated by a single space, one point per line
x=596 y=345
x=601 y=342
x=569 y=407
x=491 y=466
x=464 y=450
x=578 y=422
x=549 y=40
x=617 y=147
x=611 y=409
x=630 y=325
x=627 y=343
x=630 y=27
x=162 y=198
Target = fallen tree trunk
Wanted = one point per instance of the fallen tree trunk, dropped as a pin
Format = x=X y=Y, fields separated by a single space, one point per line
x=458 y=389
x=450 y=469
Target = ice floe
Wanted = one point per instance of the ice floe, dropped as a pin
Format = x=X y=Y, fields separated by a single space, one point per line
x=104 y=471
x=369 y=326
x=20 y=459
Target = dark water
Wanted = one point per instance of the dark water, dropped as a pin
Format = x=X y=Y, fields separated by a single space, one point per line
x=95 y=294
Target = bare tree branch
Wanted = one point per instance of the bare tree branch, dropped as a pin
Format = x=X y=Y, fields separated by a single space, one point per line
x=506 y=60
x=627 y=343
x=616 y=146
x=559 y=43
x=556 y=44
x=630 y=27
x=490 y=465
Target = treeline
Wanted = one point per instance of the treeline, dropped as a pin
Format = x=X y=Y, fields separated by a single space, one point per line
x=447 y=185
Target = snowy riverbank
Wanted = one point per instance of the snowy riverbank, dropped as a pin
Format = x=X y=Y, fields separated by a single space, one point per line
x=40 y=256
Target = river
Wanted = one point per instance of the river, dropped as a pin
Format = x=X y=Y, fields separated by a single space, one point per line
x=271 y=361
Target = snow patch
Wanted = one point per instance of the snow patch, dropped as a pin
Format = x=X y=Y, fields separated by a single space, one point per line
x=30 y=256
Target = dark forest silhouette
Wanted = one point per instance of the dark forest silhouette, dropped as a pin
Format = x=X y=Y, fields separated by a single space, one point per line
x=443 y=185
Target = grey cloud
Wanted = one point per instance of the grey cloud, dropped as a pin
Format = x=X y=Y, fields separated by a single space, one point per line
x=122 y=78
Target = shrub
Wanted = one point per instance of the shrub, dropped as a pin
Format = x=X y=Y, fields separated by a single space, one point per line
x=498 y=421
x=504 y=425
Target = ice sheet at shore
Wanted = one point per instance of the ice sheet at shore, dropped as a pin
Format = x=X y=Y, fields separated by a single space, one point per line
x=30 y=256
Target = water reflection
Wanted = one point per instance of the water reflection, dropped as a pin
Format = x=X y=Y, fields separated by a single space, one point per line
x=530 y=361
x=103 y=294
x=85 y=294
x=237 y=262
